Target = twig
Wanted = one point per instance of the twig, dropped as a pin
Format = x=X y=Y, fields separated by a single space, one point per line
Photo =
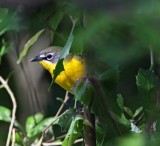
x=60 y=137
x=45 y=131
x=47 y=128
x=56 y=138
x=55 y=118
x=13 y=110
x=13 y=136
x=60 y=143
x=62 y=105
x=59 y=111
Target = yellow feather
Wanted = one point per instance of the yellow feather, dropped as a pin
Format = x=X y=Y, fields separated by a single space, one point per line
x=74 y=68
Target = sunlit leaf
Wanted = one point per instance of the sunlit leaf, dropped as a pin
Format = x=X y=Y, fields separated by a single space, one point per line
x=18 y=139
x=32 y=121
x=40 y=127
x=27 y=46
x=5 y=114
x=4 y=49
x=138 y=111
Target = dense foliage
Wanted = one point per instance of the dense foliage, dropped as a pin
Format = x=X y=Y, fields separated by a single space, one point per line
x=120 y=44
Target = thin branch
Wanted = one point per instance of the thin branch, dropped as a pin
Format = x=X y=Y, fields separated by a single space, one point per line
x=56 y=138
x=47 y=128
x=62 y=105
x=60 y=143
x=13 y=136
x=56 y=116
x=13 y=110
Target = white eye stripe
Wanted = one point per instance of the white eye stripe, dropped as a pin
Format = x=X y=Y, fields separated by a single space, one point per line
x=42 y=56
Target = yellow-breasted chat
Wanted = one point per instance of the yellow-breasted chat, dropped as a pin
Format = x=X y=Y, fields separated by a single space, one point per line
x=74 y=66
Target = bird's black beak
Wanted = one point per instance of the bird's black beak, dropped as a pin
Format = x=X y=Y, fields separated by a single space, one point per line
x=35 y=59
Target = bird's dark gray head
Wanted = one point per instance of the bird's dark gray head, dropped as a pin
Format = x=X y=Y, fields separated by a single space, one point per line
x=50 y=54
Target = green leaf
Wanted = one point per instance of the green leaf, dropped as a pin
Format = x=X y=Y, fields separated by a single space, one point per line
x=77 y=45
x=65 y=51
x=100 y=133
x=65 y=120
x=138 y=111
x=59 y=99
x=32 y=121
x=66 y=48
x=120 y=101
x=121 y=119
x=8 y=20
x=5 y=114
x=128 y=111
x=19 y=127
x=110 y=78
x=29 y=43
x=59 y=68
x=146 y=80
x=74 y=131
x=86 y=94
x=83 y=90
x=132 y=140
x=40 y=127
x=18 y=139
x=1 y=86
x=55 y=20
x=4 y=49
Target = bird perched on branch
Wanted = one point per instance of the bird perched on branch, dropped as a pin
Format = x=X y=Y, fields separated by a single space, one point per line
x=74 y=66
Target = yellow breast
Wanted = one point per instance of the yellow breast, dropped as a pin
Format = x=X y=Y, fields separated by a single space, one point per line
x=74 y=68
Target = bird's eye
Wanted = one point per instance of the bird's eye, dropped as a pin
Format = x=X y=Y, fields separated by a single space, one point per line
x=49 y=56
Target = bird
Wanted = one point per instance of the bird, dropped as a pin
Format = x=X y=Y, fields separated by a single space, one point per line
x=74 y=66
